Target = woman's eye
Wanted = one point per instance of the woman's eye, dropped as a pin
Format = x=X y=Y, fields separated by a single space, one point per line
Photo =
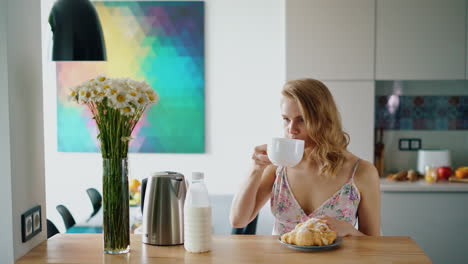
x=285 y=119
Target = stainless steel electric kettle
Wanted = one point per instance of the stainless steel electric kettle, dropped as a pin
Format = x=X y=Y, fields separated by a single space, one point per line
x=163 y=196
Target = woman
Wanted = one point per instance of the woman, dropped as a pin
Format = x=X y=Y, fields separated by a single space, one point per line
x=329 y=182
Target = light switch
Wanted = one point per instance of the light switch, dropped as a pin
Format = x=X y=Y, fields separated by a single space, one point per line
x=31 y=223
x=404 y=144
x=415 y=144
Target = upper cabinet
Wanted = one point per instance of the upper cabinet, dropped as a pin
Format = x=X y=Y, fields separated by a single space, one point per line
x=330 y=40
x=355 y=102
x=421 y=40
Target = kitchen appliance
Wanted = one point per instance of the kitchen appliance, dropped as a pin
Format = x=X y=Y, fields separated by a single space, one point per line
x=163 y=196
x=434 y=158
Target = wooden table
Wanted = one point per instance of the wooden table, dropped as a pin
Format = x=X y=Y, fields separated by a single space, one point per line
x=87 y=248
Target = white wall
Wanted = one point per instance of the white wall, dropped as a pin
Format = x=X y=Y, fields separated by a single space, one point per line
x=395 y=160
x=6 y=222
x=245 y=71
x=26 y=116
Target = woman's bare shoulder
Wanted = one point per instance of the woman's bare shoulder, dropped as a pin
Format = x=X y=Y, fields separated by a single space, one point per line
x=270 y=170
x=366 y=173
x=366 y=169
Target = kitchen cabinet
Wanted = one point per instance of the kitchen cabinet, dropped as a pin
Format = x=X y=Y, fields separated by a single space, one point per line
x=433 y=215
x=355 y=101
x=330 y=40
x=420 y=39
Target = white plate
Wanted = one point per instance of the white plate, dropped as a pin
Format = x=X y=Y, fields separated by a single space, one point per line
x=335 y=244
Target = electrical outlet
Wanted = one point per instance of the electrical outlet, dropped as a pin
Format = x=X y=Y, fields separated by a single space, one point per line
x=415 y=144
x=404 y=144
x=409 y=144
x=31 y=223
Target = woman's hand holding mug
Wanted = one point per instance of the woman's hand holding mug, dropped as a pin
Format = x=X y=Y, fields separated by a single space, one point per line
x=260 y=157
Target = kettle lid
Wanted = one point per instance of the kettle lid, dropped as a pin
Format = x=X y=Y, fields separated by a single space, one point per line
x=169 y=174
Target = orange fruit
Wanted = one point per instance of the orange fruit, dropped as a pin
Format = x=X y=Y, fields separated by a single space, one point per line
x=461 y=173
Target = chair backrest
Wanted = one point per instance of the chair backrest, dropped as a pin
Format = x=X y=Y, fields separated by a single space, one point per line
x=96 y=200
x=66 y=216
x=250 y=229
x=51 y=229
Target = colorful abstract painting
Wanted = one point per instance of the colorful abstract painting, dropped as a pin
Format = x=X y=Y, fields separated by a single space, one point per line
x=421 y=112
x=161 y=43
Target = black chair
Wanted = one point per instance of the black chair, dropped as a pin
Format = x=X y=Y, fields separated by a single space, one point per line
x=51 y=229
x=66 y=216
x=96 y=201
x=250 y=229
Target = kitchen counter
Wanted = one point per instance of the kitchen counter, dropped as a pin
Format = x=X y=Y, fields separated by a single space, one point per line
x=87 y=248
x=422 y=186
x=433 y=215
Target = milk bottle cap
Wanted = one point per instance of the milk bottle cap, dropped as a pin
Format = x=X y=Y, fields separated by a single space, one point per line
x=197 y=176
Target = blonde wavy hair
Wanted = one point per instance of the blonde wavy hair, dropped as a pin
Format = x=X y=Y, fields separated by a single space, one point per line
x=322 y=121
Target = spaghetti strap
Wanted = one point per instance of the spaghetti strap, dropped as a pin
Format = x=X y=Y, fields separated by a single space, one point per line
x=355 y=168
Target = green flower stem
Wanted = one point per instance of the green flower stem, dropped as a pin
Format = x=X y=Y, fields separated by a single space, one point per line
x=114 y=131
x=116 y=205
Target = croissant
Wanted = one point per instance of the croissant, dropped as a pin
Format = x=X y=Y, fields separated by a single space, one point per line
x=313 y=232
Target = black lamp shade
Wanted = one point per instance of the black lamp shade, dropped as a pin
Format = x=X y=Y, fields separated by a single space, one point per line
x=77 y=32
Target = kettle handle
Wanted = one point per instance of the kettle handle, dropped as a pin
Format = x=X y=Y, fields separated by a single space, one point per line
x=143 y=191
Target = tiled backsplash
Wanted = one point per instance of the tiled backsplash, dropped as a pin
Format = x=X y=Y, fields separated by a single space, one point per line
x=396 y=112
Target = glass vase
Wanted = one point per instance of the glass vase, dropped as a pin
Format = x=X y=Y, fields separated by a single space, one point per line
x=116 y=206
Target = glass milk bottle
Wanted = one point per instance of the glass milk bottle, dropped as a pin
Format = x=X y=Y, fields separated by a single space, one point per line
x=197 y=216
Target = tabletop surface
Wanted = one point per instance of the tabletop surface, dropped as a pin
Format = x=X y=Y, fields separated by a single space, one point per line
x=88 y=248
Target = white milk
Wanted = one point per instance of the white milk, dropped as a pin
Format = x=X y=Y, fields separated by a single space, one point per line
x=197 y=216
x=197 y=229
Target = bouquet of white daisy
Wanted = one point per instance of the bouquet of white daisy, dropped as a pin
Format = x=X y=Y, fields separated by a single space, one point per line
x=116 y=105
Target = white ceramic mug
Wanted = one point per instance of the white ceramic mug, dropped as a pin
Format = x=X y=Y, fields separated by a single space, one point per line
x=285 y=152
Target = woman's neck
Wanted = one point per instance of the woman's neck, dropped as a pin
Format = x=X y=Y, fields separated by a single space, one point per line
x=307 y=164
x=311 y=164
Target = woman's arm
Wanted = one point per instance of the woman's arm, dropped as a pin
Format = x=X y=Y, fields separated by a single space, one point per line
x=368 y=182
x=255 y=191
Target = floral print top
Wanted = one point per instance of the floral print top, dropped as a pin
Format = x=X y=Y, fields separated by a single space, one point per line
x=288 y=213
